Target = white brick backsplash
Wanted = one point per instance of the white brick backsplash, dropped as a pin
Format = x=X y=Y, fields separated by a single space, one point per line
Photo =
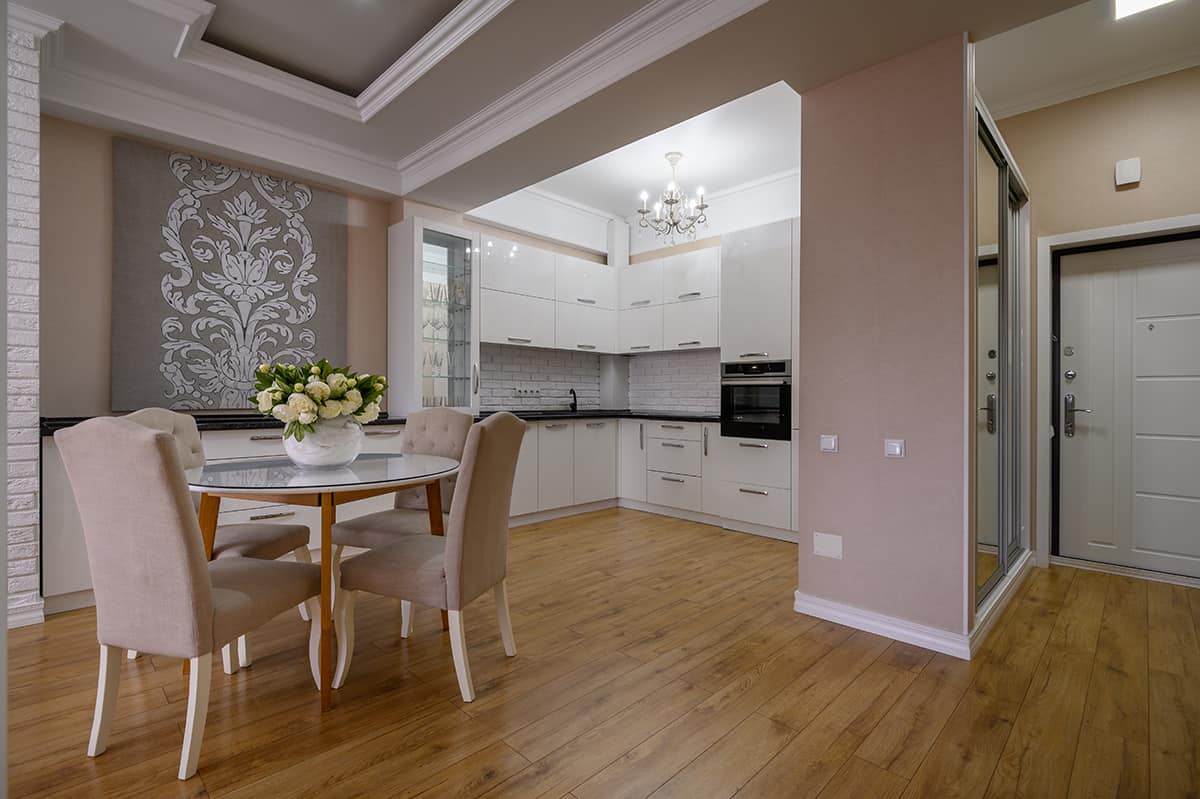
x=502 y=369
x=22 y=355
x=682 y=381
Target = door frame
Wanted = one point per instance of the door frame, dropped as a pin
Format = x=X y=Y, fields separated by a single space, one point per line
x=1050 y=249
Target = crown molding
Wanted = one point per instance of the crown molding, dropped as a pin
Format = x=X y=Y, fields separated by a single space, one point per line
x=27 y=20
x=757 y=183
x=569 y=203
x=652 y=32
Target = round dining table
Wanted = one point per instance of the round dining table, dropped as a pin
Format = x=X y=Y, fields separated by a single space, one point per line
x=278 y=480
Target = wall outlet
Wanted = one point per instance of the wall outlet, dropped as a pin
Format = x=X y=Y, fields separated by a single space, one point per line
x=893 y=448
x=527 y=392
x=827 y=545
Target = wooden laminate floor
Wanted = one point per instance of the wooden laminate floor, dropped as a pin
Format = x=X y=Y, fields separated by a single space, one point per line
x=657 y=657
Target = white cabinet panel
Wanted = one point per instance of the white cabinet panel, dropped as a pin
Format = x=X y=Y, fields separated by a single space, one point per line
x=631 y=468
x=525 y=482
x=516 y=268
x=640 y=329
x=747 y=460
x=383 y=438
x=687 y=431
x=680 y=457
x=516 y=319
x=584 y=328
x=64 y=553
x=585 y=282
x=754 y=504
x=756 y=293
x=224 y=444
x=690 y=325
x=556 y=465
x=640 y=285
x=595 y=460
x=692 y=275
x=674 y=490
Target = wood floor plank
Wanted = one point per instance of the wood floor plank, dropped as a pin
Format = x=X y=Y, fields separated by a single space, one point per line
x=725 y=766
x=1119 y=693
x=859 y=779
x=1077 y=627
x=904 y=736
x=1107 y=765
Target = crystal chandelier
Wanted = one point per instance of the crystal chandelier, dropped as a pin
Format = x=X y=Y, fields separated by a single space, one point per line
x=674 y=212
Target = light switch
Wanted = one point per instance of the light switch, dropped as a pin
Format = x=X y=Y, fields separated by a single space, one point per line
x=1129 y=171
x=827 y=545
x=893 y=448
x=829 y=443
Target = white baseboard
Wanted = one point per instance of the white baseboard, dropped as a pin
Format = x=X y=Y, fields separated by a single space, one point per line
x=1002 y=594
x=560 y=513
x=25 y=617
x=64 y=603
x=1126 y=571
x=937 y=639
x=713 y=521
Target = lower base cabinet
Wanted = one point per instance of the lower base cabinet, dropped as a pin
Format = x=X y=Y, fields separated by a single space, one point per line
x=525 y=481
x=556 y=465
x=631 y=459
x=754 y=504
x=595 y=460
x=675 y=490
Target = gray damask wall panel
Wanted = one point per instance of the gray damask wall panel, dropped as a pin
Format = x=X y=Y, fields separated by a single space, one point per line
x=215 y=270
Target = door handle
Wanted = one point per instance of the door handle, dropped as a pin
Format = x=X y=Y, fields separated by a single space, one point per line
x=585 y=300
x=753 y=355
x=641 y=436
x=637 y=303
x=753 y=446
x=281 y=515
x=1069 y=411
x=266 y=438
x=585 y=346
x=689 y=343
x=475 y=379
x=754 y=491
x=688 y=294
x=706 y=442
x=520 y=340
x=672 y=446
x=990 y=407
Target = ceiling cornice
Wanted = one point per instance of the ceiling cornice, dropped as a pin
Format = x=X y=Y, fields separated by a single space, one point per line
x=25 y=19
x=750 y=185
x=652 y=32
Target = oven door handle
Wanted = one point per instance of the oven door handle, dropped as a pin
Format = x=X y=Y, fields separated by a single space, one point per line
x=755 y=381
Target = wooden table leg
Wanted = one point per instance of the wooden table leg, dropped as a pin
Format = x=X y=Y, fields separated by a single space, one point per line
x=328 y=511
x=433 y=501
x=210 y=506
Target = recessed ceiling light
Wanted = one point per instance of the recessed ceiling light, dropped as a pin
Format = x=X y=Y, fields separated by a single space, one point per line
x=1127 y=8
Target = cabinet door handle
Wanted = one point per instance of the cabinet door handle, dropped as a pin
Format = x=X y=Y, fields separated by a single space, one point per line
x=689 y=343
x=752 y=446
x=585 y=346
x=706 y=441
x=280 y=515
x=688 y=294
x=641 y=436
x=585 y=301
x=266 y=438
x=475 y=379
x=382 y=432
x=636 y=303
x=672 y=427
x=754 y=355
x=561 y=426
x=640 y=347
x=519 y=340
x=672 y=446
x=754 y=491
x=595 y=425
x=672 y=479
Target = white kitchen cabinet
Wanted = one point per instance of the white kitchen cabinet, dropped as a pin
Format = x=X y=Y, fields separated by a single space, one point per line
x=692 y=275
x=640 y=329
x=516 y=268
x=754 y=504
x=585 y=282
x=674 y=490
x=584 y=328
x=690 y=325
x=516 y=319
x=748 y=460
x=677 y=457
x=756 y=293
x=525 y=481
x=687 y=431
x=640 y=285
x=595 y=460
x=556 y=465
x=631 y=466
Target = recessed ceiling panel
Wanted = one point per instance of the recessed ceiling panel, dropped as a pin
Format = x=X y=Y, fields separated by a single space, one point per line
x=341 y=44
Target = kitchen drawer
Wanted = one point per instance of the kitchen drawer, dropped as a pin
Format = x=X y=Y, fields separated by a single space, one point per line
x=668 y=455
x=674 y=490
x=747 y=460
x=686 y=431
x=770 y=507
x=383 y=438
x=226 y=444
x=277 y=514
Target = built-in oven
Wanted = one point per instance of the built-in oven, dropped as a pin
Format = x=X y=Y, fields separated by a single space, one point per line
x=756 y=400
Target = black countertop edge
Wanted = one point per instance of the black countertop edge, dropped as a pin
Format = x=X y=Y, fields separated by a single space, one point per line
x=251 y=421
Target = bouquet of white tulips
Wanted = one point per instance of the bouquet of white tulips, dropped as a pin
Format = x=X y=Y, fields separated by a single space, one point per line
x=300 y=396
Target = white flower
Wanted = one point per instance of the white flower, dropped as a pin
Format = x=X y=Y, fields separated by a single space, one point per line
x=308 y=417
x=262 y=367
x=277 y=396
x=337 y=383
x=330 y=410
x=284 y=414
x=266 y=400
x=368 y=415
x=316 y=370
x=298 y=387
x=352 y=382
x=299 y=403
x=352 y=402
x=318 y=390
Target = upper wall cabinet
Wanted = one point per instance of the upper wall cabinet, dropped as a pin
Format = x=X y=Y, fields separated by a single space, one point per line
x=692 y=275
x=584 y=328
x=756 y=293
x=641 y=285
x=584 y=282
x=516 y=319
x=516 y=268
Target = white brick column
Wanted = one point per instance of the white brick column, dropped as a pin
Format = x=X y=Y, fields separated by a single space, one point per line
x=25 y=31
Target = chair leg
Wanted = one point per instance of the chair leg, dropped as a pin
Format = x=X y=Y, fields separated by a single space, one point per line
x=458 y=647
x=506 y=633
x=405 y=618
x=244 y=660
x=343 y=624
x=229 y=661
x=132 y=654
x=313 y=605
x=106 y=698
x=302 y=555
x=199 y=681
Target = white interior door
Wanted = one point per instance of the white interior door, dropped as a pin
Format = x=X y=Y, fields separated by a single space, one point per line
x=1129 y=358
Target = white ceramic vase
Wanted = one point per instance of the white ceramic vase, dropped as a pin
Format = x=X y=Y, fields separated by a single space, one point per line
x=334 y=443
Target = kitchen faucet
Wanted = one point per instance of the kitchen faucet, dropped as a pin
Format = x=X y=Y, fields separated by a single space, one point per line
x=574 y=401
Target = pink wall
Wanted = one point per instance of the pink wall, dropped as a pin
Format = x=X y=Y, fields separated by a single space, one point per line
x=883 y=335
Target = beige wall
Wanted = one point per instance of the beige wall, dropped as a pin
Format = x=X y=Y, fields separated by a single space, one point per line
x=1067 y=152
x=883 y=319
x=76 y=247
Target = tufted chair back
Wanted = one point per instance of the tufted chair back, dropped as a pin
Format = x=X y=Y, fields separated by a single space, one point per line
x=180 y=425
x=434 y=431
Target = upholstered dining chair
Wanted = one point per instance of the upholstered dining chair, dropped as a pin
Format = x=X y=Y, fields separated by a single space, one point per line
x=155 y=589
x=432 y=431
x=448 y=572
x=263 y=540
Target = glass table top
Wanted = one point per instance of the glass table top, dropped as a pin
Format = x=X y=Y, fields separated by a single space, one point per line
x=281 y=476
